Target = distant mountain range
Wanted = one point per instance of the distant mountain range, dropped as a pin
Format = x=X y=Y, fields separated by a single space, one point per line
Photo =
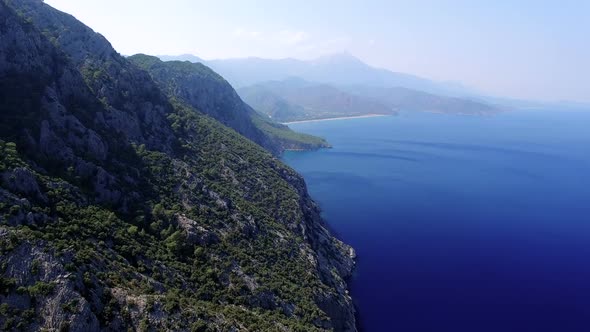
x=182 y=57
x=296 y=99
x=338 y=69
x=401 y=98
x=338 y=85
x=345 y=70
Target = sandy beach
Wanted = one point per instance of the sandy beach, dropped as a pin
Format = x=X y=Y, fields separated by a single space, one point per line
x=338 y=118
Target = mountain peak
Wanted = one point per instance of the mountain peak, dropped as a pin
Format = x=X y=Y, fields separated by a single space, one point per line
x=182 y=57
x=343 y=57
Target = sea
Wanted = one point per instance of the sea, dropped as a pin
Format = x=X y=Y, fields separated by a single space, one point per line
x=460 y=223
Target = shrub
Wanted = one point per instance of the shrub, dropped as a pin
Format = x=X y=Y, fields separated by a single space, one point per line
x=41 y=288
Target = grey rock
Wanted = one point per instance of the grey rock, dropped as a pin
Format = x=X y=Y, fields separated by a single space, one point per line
x=195 y=233
x=104 y=186
x=49 y=307
x=21 y=180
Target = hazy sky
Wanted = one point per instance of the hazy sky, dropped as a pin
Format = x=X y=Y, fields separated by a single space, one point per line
x=533 y=49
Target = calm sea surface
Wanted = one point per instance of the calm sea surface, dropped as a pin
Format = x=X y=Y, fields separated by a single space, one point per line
x=460 y=223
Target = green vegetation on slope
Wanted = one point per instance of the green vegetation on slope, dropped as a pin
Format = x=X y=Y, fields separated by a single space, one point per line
x=123 y=208
x=283 y=133
x=201 y=88
x=149 y=257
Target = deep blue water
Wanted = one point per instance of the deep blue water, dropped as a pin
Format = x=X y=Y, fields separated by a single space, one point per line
x=460 y=223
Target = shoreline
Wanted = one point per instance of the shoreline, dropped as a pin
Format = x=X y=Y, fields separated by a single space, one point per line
x=338 y=118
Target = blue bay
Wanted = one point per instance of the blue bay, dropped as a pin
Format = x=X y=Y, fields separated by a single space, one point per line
x=460 y=223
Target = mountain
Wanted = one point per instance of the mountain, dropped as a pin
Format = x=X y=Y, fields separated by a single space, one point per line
x=412 y=100
x=123 y=207
x=272 y=105
x=523 y=104
x=201 y=88
x=343 y=78
x=337 y=69
x=295 y=99
x=182 y=57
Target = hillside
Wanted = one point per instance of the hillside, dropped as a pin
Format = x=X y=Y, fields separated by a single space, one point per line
x=295 y=99
x=412 y=100
x=201 y=88
x=272 y=105
x=122 y=208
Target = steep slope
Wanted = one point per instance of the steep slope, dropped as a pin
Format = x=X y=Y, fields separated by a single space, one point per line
x=200 y=87
x=121 y=209
x=295 y=99
x=271 y=104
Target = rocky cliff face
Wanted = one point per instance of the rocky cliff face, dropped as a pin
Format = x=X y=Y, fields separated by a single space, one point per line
x=121 y=208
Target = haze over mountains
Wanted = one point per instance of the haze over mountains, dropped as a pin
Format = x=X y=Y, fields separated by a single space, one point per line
x=338 y=85
x=337 y=69
x=296 y=99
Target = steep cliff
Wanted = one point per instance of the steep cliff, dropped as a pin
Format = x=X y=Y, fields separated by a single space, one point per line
x=121 y=207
